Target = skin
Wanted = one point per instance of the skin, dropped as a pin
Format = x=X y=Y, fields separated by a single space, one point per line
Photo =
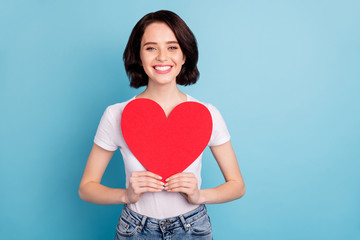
x=159 y=47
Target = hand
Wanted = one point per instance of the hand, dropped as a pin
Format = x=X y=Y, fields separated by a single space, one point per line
x=141 y=182
x=186 y=184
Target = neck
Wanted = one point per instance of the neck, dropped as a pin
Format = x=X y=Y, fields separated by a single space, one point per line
x=167 y=94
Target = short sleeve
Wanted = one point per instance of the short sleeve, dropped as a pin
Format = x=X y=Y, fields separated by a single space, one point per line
x=105 y=131
x=220 y=133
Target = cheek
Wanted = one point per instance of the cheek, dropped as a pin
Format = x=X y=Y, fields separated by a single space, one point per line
x=143 y=58
x=180 y=60
x=183 y=60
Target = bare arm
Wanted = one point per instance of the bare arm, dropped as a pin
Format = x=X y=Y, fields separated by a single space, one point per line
x=234 y=186
x=91 y=190
x=232 y=189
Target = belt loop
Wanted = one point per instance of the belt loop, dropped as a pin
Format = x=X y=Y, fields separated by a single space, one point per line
x=142 y=224
x=186 y=225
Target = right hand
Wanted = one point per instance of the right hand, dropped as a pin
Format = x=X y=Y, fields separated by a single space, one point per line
x=141 y=182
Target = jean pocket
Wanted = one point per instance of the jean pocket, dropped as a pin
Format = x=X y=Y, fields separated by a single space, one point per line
x=201 y=226
x=125 y=227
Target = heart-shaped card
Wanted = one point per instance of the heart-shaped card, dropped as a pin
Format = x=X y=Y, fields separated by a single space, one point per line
x=166 y=146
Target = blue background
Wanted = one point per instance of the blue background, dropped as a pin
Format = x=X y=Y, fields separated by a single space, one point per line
x=284 y=74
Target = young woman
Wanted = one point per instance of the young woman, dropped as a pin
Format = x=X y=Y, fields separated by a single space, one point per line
x=161 y=53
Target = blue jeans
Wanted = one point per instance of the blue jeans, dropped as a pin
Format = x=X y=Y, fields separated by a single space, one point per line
x=192 y=225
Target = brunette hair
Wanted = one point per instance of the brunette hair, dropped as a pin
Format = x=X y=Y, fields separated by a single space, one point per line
x=189 y=73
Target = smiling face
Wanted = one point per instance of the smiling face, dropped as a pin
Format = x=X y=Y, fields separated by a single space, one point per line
x=160 y=54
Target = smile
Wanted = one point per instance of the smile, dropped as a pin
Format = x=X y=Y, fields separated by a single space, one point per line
x=162 y=69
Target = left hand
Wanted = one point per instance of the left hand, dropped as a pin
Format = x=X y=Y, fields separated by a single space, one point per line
x=186 y=184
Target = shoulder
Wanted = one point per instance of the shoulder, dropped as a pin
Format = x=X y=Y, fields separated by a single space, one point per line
x=113 y=112
x=117 y=108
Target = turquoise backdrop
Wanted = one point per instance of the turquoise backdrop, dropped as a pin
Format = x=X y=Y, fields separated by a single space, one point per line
x=284 y=74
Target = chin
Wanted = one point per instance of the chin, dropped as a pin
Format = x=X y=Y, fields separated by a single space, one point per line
x=163 y=81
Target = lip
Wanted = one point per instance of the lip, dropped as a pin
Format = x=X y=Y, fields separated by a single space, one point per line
x=162 y=71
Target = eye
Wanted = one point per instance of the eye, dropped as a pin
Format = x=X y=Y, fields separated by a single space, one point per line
x=173 y=47
x=150 y=48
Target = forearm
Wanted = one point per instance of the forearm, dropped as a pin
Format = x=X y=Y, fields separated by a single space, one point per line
x=99 y=194
x=226 y=192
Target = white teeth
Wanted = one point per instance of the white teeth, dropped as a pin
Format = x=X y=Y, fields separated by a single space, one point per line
x=164 y=68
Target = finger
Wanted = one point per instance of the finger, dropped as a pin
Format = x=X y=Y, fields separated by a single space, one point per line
x=149 y=189
x=142 y=184
x=134 y=180
x=181 y=184
x=191 y=180
x=180 y=190
x=183 y=178
x=180 y=175
x=146 y=174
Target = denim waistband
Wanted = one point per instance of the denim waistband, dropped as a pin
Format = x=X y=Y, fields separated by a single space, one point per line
x=183 y=220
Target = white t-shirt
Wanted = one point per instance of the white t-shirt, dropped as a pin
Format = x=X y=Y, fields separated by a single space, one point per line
x=160 y=204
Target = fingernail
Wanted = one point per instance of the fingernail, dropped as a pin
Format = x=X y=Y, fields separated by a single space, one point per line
x=159 y=177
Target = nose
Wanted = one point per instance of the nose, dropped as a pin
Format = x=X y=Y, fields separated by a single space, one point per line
x=161 y=55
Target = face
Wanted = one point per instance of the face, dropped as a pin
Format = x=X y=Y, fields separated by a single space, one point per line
x=160 y=54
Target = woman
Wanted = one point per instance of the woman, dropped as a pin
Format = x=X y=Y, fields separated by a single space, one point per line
x=161 y=53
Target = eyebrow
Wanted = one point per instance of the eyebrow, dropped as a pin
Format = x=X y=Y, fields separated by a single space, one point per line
x=169 y=42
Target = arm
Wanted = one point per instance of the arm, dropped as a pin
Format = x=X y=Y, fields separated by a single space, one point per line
x=232 y=189
x=91 y=190
x=234 y=186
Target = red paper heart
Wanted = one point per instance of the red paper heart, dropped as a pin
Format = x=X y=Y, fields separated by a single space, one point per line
x=166 y=146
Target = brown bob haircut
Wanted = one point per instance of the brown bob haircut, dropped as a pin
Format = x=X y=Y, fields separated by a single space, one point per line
x=189 y=73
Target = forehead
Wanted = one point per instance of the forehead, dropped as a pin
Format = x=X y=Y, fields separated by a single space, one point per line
x=158 y=32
